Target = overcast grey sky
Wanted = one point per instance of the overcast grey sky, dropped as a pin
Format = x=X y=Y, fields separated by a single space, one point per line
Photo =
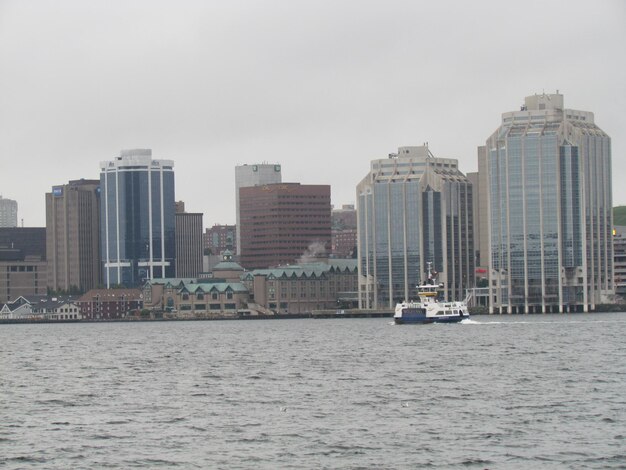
x=322 y=87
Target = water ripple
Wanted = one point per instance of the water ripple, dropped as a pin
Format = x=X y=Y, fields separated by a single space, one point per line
x=494 y=392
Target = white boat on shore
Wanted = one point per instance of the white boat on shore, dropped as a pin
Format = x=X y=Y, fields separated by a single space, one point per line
x=429 y=309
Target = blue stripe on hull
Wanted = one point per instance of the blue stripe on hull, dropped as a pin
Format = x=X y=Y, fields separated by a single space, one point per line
x=424 y=319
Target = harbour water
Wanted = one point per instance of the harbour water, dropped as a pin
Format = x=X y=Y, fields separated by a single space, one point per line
x=525 y=391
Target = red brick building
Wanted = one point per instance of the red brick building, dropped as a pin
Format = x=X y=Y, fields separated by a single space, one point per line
x=344 y=232
x=220 y=238
x=283 y=223
x=109 y=304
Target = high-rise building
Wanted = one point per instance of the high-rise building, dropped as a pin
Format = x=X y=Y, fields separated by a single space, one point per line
x=413 y=209
x=73 y=235
x=253 y=175
x=8 y=212
x=283 y=224
x=137 y=225
x=550 y=214
x=189 y=250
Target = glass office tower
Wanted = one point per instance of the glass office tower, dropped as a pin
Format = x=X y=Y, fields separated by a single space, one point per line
x=413 y=208
x=137 y=218
x=550 y=209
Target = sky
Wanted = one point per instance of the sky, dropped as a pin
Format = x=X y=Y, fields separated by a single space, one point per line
x=321 y=87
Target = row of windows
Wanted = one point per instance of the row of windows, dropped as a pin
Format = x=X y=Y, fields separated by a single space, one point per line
x=21 y=269
x=188 y=307
x=214 y=296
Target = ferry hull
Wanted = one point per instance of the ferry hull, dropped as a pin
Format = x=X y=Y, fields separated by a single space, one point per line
x=421 y=319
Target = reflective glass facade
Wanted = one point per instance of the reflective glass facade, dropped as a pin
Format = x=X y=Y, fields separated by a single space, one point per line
x=549 y=210
x=413 y=208
x=137 y=219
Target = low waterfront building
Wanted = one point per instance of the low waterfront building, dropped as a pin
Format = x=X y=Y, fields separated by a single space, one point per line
x=17 y=309
x=110 y=304
x=231 y=290
x=200 y=298
x=41 y=307
x=305 y=288
x=57 y=308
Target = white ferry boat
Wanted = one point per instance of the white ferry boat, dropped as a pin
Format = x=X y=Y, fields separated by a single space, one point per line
x=429 y=309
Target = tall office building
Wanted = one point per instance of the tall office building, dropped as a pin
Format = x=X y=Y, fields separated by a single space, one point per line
x=550 y=209
x=253 y=175
x=189 y=250
x=137 y=225
x=73 y=234
x=283 y=223
x=413 y=209
x=8 y=212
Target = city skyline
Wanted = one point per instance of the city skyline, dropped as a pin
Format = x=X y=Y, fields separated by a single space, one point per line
x=213 y=86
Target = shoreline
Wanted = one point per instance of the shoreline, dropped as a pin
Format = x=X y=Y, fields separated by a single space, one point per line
x=294 y=316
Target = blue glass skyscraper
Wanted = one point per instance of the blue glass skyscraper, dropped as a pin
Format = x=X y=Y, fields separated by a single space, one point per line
x=137 y=229
x=413 y=208
x=550 y=209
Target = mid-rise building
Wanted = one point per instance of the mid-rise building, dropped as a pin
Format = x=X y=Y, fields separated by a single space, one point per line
x=344 y=233
x=283 y=223
x=24 y=276
x=220 y=238
x=189 y=250
x=619 y=256
x=137 y=225
x=23 y=265
x=24 y=241
x=8 y=212
x=550 y=217
x=73 y=236
x=413 y=209
x=253 y=175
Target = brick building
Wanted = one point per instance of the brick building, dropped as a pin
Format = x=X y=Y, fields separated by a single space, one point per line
x=283 y=223
x=110 y=304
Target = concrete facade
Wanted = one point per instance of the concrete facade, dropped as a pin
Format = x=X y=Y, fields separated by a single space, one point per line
x=23 y=277
x=73 y=235
x=8 y=212
x=188 y=244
